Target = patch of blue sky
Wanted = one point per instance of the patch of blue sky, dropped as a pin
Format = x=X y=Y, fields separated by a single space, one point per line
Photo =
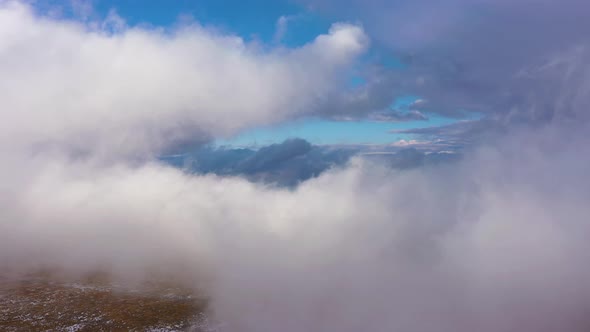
x=329 y=132
x=251 y=20
x=356 y=81
x=243 y=17
x=303 y=27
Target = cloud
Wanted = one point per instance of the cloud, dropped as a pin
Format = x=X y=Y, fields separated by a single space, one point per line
x=413 y=155
x=277 y=153
x=82 y=9
x=135 y=90
x=462 y=134
x=281 y=27
x=375 y=95
x=397 y=116
x=472 y=55
x=404 y=142
x=285 y=164
x=294 y=161
x=490 y=244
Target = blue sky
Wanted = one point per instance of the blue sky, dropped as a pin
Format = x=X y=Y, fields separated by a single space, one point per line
x=319 y=131
x=257 y=21
x=328 y=132
x=254 y=19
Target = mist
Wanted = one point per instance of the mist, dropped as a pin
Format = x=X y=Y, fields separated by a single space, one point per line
x=496 y=243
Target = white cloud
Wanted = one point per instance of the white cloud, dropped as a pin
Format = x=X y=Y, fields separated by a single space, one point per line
x=404 y=142
x=492 y=244
x=141 y=89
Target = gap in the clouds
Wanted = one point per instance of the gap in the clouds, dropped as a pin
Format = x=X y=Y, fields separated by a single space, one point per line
x=321 y=132
x=289 y=154
x=335 y=132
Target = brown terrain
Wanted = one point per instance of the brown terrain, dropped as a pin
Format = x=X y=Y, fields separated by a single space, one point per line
x=42 y=303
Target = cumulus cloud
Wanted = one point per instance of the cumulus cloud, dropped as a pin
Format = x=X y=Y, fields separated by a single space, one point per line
x=142 y=90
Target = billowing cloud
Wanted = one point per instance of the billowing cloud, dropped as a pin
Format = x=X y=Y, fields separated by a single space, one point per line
x=140 y=89
x=494 y=243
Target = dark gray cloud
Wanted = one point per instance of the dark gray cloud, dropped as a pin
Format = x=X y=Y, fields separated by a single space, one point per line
x=284 y=164
x=375 y=94
x=524 y=61
x=373 y=100
x=294 y=161
x=267 y=157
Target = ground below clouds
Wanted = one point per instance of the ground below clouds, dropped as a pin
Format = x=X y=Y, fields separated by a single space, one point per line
x=39 y=303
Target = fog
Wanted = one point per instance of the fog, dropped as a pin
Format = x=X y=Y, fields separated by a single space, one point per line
x=496 y=243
